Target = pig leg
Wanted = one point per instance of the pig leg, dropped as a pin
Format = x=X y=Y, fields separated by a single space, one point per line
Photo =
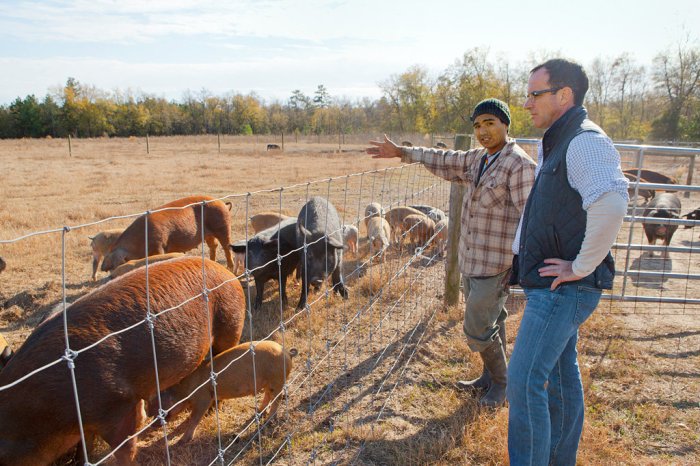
x=259 y=289
x=114 y=435
x=225 y=242
x=338 y=285
x=95 y=262
x=229 y=257
x=211 y=242
x=265 y=401
x=304 y=290
x=200 y=405
x=283 y=291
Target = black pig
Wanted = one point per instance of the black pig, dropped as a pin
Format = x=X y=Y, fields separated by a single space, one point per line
x=318 y=225
x=664 y=205
x=261 y=257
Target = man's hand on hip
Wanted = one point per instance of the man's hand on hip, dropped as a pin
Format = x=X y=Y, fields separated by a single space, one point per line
x=560 y=269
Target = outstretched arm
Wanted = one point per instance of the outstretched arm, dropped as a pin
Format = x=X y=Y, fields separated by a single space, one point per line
x=385 y=149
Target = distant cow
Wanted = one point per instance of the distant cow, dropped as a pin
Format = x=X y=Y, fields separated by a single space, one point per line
x=440 y=145
x=664 y=205
x=653 y=177
x=273 y=147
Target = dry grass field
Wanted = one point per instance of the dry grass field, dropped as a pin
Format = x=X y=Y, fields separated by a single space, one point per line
x=372 y=384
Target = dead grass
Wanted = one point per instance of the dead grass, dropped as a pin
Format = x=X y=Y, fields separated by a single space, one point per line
x=372 y=384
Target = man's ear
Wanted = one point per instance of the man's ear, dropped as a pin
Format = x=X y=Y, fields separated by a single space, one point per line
x=566 y=95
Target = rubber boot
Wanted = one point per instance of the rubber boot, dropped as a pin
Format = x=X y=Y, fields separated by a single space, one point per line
x=480 y=384
x=483 y=382
x=495 y=362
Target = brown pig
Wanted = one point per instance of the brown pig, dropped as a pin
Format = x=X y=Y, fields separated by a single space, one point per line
x=38 y=417
x=127 y=267
x=419 y=228
x=236 y=379
x=176 y=229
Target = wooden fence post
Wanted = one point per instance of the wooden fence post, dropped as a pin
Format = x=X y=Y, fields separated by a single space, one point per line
x=689 y=180
x=218 y=141
x=452 y=273
x=70 y=149
x=148 y=146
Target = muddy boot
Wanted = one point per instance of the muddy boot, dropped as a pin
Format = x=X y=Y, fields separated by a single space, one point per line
x=495 y=362
x=478 y=385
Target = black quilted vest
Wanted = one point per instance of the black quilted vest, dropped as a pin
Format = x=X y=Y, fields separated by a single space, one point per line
x=554 y=222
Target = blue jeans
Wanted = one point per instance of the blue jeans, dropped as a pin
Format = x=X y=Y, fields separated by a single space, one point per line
x=545 y=393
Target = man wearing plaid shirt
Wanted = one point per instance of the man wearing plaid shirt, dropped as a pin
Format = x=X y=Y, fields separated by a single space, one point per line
x=497 y=180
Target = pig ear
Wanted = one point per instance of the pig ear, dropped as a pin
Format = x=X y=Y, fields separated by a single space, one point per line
x=238 y=246
x=303 y=230
x=335 y=243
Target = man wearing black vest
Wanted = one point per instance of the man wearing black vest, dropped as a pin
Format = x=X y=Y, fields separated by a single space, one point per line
x=571 y=219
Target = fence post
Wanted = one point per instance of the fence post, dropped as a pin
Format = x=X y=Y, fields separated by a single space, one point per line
x=452 y=274
x=689 y=181
x=218 y=141
x=148 y=147
x=70 y=149
x=282 y=140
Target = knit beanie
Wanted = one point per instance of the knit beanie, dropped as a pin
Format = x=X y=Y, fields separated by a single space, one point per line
x=493 y=107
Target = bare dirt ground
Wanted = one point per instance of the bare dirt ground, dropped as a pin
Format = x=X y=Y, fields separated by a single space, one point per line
x=373 y=382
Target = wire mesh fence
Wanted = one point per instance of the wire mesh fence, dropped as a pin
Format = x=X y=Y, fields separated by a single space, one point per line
x=116 y=356
x=350 y=355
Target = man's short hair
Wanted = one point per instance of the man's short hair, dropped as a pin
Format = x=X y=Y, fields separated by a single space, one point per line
x=566 y=73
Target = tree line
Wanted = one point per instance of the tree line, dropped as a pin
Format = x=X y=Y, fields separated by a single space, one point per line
x=631 y=101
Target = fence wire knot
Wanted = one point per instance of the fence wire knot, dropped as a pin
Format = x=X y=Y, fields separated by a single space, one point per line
x=66 y=229
x=252 y=349
x=212 y=377
x=161 y=416
x=205 y=294
x=220 y=455
x=282 y=327
x=150 y=319
x=69 y=356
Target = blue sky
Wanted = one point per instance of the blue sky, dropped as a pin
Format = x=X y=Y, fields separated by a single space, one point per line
x=272 y=47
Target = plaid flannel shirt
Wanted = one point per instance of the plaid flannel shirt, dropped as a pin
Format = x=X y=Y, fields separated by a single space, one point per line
x=491 y=209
